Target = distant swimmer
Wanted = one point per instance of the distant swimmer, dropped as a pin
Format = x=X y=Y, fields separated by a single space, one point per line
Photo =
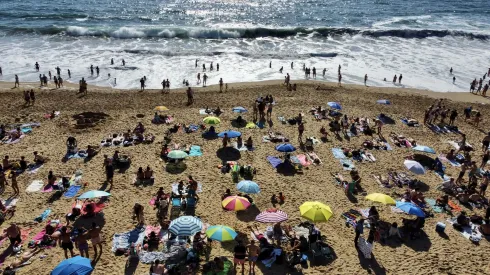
x=204 y=80
x=221 y=85
x=451 y=70
x=324 y=71
x=92 y=70
x=203 y=67
x=217 y=67
x=69 y=73
x=394 y=79
x=108 y=76
x=304 y=67
x=211 y=66
x=454 y=79
x=115 y=83
x=17 y=84
x=97 y=70
x=196 y=63
x=36 y=66
x=365 y=79
x=400 y=79
x=112 y=61
x=292 y=64
x=280 y=70
x=124 y=62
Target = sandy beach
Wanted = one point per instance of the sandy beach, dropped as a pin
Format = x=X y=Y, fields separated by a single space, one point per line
x=430 y=254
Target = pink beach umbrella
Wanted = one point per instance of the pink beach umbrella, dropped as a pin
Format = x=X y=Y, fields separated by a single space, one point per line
x=272 y=216
x=235 y=203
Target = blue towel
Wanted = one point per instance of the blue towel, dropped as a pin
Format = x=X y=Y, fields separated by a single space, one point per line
x=193 y=128
x=338 y=153
x=72 y=191
x=404 y=121
x=195 y=151
x=26 y=130
x=77 y=155
x=347 y=164
x=274 y=161
x=43 y=216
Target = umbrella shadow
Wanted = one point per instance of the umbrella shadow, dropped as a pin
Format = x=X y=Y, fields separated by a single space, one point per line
x=86 y=222
x=420 y=243
x=131 y=266
x=370 y=265
x=249 y=214
x=286 y=169
x=56 y=196
x=228 y=154
x=425 y=161
x=238 y=124
x=209 y=135
x=176 y=168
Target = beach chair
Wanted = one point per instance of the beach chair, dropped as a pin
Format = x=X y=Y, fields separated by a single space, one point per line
x=176 y=207
x=190 y=209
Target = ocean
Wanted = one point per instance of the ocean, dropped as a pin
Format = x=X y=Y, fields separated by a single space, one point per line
x=421 y=39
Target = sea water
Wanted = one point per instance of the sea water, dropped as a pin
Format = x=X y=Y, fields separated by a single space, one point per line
x=421 y=39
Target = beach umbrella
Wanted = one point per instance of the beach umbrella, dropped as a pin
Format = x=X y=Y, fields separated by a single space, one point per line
x=334 y=105
x=285 y=148
x=315 y=211
x=94 y=194
x=185 y=226
x=382 y=198
x=272 y=216
x=239 y=109
x=230 y=134
x=211 y=120
x=383 y=101
x=235 y=203
x=73 y=266
x=251 y=125
x=414 y=167
x=425 y=149
x=161 y=108
x=248 y=186
x=177 y=154
x=221 y=233
x=410 y=209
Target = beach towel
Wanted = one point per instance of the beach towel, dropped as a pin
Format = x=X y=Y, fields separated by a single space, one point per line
x=455 y=207
x=72 y=191
x=77 y=155
x=266 y=139
x=43 y=216
x=338 y=153
x=432 y=204
x=150 y=228
x=124 y=240
x=35 y=186
x=148 y=257
x=242 y=148
x=364 y=212
x=347 y=164
x=48 y=188
x=274 y=161
x=303 y=160
x=203 y=112
x=175 y=188
x=456 y=144
x=405 y=121
x=152 y=201
x=10 y=202
x=99 y=206
x=470 y=232
x=195 y=151
x=33 y=168
x=388 y=146
x=352 y=216
x=13 y=141
x=192 y=128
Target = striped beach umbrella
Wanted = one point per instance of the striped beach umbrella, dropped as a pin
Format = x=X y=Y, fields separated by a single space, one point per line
x=235 y=203
x=185 y=226
x=248 y=186
x=221 y=233
x=272 y=216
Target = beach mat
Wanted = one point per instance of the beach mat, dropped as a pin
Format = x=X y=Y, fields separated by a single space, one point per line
x=338 y=153
x=195 y=151
x=432 y=204
x=43 y=216
x=347 y=164
x=72 y=191
x=274 y=161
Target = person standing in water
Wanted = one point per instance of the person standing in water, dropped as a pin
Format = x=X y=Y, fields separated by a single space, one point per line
x=196 y=63
x=454 y=79
x=280 y=70
x=17 y=84
x=97 y=70
x=221 y=85
x=270 y=64
x=203 y=67
x=142 y=83
x=1 y=71
x=451 y=70
x=49 y=72
x=394 y=79
x=92 y=70
x=58 y=71
x=365 y=79
x=36 y=66
x=324 y=71
x=340 y=67
x=292 y=63
x=198 y=78
x=69 y=73
x=204 y=80
x=314 y=72
x=217 y=67
x=123 y=62
x=340 y=79
x=112 y=61
x=400 y=79
x=163 y=85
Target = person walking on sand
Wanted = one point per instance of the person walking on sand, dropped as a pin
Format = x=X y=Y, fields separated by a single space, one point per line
x=253 y=253
x=221 y=85
x=17 y=84
x=95 y=238
x=340 y=79
x=190 y=96
x=142 y=83
x=365 y=79
x=15 y=186
x=163 y=84
x=301 y=129
x=32 y=96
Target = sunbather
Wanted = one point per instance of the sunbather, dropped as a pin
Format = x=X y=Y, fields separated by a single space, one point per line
x=259 y=236
x=91 y=151
x=382 y=180
x=140 y=175
x=38 y=159
x=442 y=201
x=451 y=155
x=22 y=261
x=139 y=128
x=148 y=173
x=226 y=194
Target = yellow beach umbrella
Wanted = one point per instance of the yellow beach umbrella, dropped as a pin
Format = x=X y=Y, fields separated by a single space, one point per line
x=211 y=120
x=382 y=198
x=161 y=108
x=315 y=211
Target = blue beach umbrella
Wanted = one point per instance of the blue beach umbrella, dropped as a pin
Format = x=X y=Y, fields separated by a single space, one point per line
x=285 y=148
x=383 y=101
x=230 y=133
x=185 y=226
x=410 y=209
x=425 y=149
x=248 y=186
x=239 y=109
x=335 y=105
x=73 y=266
x=94 y=194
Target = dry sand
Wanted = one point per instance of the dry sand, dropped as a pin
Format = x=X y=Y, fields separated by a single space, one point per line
x=431 y=255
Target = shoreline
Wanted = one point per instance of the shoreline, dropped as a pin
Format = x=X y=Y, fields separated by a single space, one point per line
x=454 y=96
